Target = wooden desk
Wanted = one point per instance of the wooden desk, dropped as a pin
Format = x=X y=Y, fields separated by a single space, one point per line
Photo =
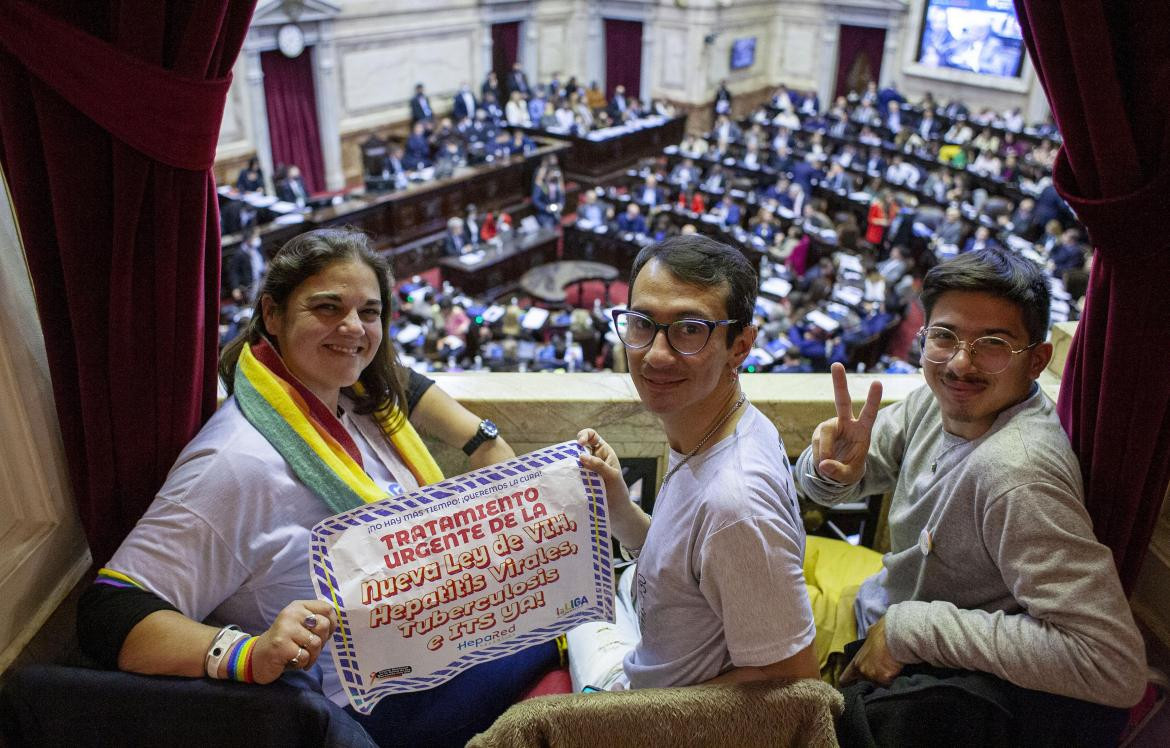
x=593 y=159
x=396 y=218
x=497 y=269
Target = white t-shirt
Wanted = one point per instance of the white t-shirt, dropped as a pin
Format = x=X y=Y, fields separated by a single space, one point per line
x=226 y=539
x=720 y=581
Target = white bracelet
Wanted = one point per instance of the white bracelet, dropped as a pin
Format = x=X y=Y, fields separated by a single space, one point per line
x=220 y=646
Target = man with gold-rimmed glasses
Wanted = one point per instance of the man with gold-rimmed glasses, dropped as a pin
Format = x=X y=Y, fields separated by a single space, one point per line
x=994 y=576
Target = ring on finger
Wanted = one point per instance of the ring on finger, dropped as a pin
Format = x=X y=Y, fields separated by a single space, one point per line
x=310 y=622
x=296 y=661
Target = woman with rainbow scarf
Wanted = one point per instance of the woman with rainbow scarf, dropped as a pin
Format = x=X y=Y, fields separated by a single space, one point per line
x=213 y=581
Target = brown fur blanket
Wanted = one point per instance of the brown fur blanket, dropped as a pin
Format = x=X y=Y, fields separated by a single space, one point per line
x=766 y=713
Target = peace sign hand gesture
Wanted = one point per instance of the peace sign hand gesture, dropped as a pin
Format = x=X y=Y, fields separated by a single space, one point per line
x=839 y=445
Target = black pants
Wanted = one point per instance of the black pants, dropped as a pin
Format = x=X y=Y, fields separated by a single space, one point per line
x=929 y=706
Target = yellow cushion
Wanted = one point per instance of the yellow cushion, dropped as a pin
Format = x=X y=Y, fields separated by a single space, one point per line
x=833 y=572
x=947 y=153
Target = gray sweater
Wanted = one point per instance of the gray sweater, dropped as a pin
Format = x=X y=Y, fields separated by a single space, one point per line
x=1013 y=581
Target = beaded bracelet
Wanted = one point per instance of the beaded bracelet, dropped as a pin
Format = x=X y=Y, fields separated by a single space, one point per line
x=239 y=664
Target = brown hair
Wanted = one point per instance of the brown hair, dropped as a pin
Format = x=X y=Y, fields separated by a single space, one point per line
x=299 y=259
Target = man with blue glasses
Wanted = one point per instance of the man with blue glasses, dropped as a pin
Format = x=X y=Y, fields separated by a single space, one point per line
x=994 y=589
x=718 y=591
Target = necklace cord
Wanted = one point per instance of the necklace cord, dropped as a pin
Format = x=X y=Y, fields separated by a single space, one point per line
x=709 y=434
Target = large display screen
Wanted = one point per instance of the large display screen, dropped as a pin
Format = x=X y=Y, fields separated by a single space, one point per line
x=743 y=53
x=979 y=36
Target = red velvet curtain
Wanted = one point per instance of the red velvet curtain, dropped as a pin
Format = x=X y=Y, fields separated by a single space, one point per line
x=1106 y=71
x=623 y=57
x=292 y=115
x=109 y=116
x=505 y=51
x=859 y=57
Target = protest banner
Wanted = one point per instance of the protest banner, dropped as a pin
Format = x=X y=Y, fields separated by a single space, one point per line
x=463 y=571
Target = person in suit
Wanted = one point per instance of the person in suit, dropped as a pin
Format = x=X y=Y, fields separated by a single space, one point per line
x=491 y=85
x=981 y=240
x=501 y=146
x=251 y=179
x=455 y=241
x=1068 y=255
x=893 y=119
x=292 y=188
x=684 y=174
x=492 y=109
x=632 y=221
x=450 y=157
x=418 y=148
x=724 y=130
x=536 y=102
x=618 y=105
x=394 y=167
x=764 y=225
x=716 y=181
x=752 y=158
x=950 y=231
x=554 y=88
x=928 y=126
x=548 y=198
x=805 y=171
x=589 y=210
x=650 y=194
x=726 y=210
x=420 y=106
x=777 y=191
x=521 y=143
x=722 y=104
x=472 y=224
x=245 y=269
x=518 y=82
x=483 y=128
x=465 y=104
x=1023 y=221
x=837 y=179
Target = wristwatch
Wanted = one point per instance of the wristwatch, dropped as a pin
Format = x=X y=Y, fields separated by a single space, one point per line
x=487 y=430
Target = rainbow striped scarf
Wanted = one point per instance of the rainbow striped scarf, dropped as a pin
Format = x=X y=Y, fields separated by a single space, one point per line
x=311 y=438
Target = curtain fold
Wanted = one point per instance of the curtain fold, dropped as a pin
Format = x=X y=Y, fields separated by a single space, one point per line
x=1105 y=71
x=623 y=57
x=505 y=52
x=106 y=144
x=292 y=115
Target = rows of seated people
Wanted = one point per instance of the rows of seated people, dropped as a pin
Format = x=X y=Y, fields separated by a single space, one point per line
x=564 y=106
x=475 y=132
x=776 y=184
x=443 y=329
x=810 y=314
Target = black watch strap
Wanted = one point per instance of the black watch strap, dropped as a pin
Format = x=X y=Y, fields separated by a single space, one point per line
x=487 y=430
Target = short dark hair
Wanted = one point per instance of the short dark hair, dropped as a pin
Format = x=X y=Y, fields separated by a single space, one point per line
x=997 y=272
x=701 y=261
x=298 y=260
